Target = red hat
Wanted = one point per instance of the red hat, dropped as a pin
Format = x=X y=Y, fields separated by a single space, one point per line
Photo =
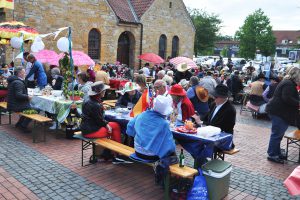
x=177 y=90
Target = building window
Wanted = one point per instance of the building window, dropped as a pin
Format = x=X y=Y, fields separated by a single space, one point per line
x=162 y=46
x=170 y=5
x=94 y=44
x=175 y=46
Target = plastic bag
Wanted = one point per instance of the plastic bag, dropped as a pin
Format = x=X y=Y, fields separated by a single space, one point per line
x=199 y=188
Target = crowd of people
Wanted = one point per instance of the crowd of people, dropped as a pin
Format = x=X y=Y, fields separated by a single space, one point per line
x=174 y=95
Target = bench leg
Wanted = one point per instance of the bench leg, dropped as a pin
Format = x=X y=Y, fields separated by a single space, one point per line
x=34 y=133
x=9 y=118
x=167 y=186
x=82 y=148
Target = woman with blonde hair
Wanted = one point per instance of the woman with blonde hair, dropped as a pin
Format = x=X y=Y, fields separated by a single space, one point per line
x=283 y=110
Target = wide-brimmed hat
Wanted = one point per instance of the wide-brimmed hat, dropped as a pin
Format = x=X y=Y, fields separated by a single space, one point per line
x=163 y=105
x=202 y=93
x=222 y=91
x=129 y=86
x=183 y=67
x=177 y=90
x=97 y=88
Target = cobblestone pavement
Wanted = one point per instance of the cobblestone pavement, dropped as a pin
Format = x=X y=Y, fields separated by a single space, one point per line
x=46 y=178
x=52 y=170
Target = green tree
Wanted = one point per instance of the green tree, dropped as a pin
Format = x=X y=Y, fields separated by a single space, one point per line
x=256 y=34
x=207 y=26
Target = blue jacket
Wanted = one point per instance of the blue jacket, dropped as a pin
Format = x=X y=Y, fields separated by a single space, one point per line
x=39 y=74
x=151 y=131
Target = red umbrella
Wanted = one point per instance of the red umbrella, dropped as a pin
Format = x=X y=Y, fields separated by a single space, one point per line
x=151 y=57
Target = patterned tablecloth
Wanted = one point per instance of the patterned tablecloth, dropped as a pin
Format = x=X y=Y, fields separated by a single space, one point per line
x=198 y=146
x=54 y=105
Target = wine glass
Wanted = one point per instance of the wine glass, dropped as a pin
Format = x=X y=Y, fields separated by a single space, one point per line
x=129 y=106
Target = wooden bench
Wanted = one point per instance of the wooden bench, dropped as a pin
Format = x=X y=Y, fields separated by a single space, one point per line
x=184 y=172
x=35 y=117
x=221 y=154
x=293 y=138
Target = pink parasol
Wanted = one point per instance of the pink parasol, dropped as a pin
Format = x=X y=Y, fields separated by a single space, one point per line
x=151 y=57
x=79 y=59
x=179 y=60
x=45 y=56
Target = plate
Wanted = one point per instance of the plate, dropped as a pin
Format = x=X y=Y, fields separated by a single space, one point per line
x=182 y=129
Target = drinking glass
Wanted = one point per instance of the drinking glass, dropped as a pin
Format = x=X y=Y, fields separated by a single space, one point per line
x=129 y=106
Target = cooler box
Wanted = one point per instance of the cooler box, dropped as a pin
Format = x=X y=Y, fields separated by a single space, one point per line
x=217 y=175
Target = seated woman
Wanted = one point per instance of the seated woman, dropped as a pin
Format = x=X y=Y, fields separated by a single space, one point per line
x=129 y=94
x=57 y=79
x=153 y=139
x=185 y=108
x=93 y=124
x=84 y=84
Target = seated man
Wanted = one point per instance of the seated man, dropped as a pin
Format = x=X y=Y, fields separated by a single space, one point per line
x=153 y=139
x=129 y=95
x=160 y=88
x=257 y=89
x=17 y=98
x=223 y=113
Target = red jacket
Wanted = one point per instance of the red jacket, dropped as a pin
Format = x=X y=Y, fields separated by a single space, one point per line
x=187 y=108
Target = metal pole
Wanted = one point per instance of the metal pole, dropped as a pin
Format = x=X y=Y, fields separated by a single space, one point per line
x=71 y=59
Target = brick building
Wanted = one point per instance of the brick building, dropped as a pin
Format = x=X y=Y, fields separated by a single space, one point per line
x=113 y=30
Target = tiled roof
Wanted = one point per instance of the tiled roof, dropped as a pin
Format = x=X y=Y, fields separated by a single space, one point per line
x=141 y=6
x=292 y=37
x=123 y=10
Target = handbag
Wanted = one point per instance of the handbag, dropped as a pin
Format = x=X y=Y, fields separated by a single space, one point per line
x=199 y=188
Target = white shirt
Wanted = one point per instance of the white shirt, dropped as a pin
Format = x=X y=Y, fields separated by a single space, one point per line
x=27 y=70
x=146 y=71
x=6 y=75
x=179 y=116
x=170 y=100
x=217 y=109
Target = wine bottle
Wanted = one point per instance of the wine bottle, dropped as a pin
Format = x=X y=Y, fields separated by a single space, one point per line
x=181 y=159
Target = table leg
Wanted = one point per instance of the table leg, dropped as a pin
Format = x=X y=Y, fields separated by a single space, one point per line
x=167 y=186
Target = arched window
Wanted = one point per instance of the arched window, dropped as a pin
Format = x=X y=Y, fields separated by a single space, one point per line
x=162 y=46
x=94 y=44
x=175 y=46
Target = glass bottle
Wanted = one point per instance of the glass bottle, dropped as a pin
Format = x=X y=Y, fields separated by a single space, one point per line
x=181 y=159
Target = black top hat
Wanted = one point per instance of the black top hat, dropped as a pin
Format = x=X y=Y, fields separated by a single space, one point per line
x=221 y=90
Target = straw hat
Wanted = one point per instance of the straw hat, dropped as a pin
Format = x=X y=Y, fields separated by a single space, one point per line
x=162 y=105
x=177 y=90
x=183 y=67
x=202 y=94
x=97 y=88
x=129 y=86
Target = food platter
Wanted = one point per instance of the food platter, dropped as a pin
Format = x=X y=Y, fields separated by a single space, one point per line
x=182 y=129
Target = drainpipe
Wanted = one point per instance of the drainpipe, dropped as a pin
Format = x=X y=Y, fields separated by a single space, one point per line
x=141 y=43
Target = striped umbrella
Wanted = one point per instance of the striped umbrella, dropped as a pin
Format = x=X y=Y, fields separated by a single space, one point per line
x=180 y=60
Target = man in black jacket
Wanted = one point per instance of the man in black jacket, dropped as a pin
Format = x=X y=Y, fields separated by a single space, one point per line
x=222 y=113
x=17 y=98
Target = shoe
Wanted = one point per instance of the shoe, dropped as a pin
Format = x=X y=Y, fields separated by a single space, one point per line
x=124 y=159
x=18 y=124
x=283 y=156
x=116 y=161
x=276 y=159
x=53 y=127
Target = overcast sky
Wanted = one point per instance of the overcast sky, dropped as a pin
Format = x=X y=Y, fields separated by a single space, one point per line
x=284 y=14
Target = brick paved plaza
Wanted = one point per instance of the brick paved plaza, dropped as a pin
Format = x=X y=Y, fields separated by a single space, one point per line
x=52 y=170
